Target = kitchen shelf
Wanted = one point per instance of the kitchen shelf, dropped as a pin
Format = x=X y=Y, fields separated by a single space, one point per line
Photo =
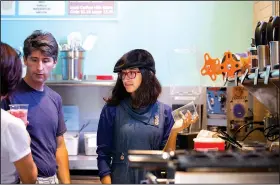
x=82 y=162
x=250 y=82
x=80 y=83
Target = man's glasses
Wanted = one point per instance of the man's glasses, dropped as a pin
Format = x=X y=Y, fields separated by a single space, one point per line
x=129 y=74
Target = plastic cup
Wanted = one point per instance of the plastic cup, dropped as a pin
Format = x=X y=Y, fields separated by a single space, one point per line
x=177 y=114
x=181 y=112
x=20 y=111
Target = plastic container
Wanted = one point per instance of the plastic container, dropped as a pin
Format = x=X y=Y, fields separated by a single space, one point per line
x=104 y=77
x=90 y=143
x=72 y=142
x=207 y=144
x=20 y=111
x=72 y=64
x=177 y=114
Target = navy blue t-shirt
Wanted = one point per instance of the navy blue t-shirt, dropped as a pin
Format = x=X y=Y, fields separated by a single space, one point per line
x=46 y=122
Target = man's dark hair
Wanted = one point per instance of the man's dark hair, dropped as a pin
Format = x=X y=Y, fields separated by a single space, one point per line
x=42 y=41
x=149 y=89
x=10 y=69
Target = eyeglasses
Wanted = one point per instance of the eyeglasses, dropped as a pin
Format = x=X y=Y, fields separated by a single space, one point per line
x=129 y=74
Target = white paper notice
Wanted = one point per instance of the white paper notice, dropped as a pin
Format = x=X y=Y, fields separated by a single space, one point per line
x=41 y=8
x=8 y=7
x=91 y=7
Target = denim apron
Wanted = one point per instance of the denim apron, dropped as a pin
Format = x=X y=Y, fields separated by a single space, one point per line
x=140 y=129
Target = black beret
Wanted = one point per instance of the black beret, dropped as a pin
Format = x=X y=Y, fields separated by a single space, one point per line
x=137 y=58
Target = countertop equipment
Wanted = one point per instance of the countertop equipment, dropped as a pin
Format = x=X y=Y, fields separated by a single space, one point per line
x=189 y=166
x=267 y=38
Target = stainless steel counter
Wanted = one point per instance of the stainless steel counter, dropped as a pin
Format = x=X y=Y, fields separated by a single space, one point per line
x=226 y=178
x=83 y=162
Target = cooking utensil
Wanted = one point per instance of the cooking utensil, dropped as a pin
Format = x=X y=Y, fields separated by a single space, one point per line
x=84 y=126
x=72 y=64
x=260 y=33
x=229 y=138
x=229 y=141
x=273 y=29
x=274 y=52
x=263 y=56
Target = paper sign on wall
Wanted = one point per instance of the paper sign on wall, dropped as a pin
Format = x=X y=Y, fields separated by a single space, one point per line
x=40 y=8
x=8 y=8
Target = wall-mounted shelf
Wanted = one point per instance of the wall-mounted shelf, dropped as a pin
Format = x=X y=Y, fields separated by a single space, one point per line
x=80 y=83
x=250 y=82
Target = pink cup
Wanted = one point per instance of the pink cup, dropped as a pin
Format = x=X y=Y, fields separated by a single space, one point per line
x=20 y=111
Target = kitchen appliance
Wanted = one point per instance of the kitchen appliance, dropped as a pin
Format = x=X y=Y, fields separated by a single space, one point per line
x=216 y=101
x=230 y=165
x=72 y=63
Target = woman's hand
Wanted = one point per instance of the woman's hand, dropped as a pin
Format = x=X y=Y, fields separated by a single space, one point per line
x=184 y=123
x=20 y=117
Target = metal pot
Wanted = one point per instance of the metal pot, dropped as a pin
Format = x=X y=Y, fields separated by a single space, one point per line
x=72 y=64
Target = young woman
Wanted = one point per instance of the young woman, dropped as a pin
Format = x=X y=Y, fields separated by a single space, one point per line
x=133 y=119
x=16 y=159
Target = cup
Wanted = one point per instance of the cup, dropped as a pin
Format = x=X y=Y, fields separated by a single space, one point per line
x=177 y=114
x=20 y=111
x=182 y=111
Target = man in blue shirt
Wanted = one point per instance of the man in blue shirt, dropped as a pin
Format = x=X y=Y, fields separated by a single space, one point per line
x=46 y=122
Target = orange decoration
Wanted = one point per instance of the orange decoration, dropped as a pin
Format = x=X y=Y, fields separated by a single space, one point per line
x=245 y=63
x=230 y=65
x=211 y=67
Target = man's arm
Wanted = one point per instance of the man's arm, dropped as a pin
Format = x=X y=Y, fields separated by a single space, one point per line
x=26 y=169
x=62 y=161
x=106 y=179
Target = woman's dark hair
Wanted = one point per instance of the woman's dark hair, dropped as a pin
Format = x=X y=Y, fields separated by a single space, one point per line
x=43 y=41
x=10 y=69
x=148 y=91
